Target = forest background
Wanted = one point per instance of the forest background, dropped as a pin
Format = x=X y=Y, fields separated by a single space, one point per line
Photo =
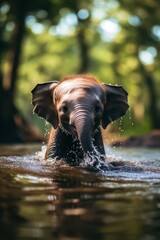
x=118 y=41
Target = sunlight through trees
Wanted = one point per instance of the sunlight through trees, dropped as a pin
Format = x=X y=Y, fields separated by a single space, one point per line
x=116 y=40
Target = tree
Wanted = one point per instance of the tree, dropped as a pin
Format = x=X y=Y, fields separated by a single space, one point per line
x=117 y=60
x=8 y=111
x=13 y=126
x=139 y=31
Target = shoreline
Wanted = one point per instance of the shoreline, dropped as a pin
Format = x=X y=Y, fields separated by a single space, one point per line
x=150 y=140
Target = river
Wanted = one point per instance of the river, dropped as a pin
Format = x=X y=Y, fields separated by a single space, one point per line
x=42 y=200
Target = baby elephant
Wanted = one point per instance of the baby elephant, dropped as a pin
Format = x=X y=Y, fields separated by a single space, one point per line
x=76 y=107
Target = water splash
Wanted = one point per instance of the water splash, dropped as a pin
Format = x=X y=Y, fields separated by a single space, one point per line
x=123 y=164
x=96 y=163
x=130 y=117
x=133 y=164
x=40 y=155
x=47 y=129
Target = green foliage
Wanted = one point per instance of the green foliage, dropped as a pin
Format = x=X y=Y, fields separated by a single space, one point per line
x=130 y=58
x=45 y=58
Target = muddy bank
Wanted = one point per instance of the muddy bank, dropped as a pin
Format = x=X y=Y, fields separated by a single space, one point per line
x=151 y=140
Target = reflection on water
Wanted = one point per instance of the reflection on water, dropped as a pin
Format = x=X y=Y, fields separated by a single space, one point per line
x=41 y=201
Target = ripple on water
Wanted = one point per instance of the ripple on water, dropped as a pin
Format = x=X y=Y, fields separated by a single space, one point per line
x=50 y=200
x=129 y=164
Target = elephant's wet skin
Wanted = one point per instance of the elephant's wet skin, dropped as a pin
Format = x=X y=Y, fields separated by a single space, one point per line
x=76 y=107
x=67 y=147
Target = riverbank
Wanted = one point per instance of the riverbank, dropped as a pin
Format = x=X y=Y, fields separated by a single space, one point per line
x=151 y=140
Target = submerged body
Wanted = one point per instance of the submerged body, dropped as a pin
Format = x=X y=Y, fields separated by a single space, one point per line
x=67 y=146
x=76 y=107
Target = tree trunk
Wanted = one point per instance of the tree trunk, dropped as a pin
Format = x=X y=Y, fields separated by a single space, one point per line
x=81 y=39
x=84 y=51
x=13 y=127
x=153 y=109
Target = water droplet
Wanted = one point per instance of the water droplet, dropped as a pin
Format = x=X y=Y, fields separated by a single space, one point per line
x=130 y=117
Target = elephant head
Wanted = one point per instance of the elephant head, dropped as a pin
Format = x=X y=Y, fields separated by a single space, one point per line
x=79 y=105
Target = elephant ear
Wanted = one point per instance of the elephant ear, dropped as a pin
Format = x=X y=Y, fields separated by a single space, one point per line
x=116 y=104
x=42 y=100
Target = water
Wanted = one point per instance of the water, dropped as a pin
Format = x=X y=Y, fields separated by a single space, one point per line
x=39 y=200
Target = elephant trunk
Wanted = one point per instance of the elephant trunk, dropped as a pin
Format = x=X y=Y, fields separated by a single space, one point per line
x=83 y=123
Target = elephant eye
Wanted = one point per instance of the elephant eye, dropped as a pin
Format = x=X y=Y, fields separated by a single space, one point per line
x=64 y=108
x=98 y=108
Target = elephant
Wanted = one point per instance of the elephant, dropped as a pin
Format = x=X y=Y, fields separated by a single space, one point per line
x=78 y=107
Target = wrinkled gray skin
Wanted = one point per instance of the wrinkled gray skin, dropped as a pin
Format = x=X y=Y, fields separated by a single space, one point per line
x=76 y=107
